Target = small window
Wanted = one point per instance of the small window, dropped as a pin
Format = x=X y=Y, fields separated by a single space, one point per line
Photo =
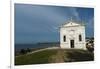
x=64 y=38
x=80 y=38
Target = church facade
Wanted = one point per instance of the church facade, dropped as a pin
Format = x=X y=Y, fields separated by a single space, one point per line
x=72 y=35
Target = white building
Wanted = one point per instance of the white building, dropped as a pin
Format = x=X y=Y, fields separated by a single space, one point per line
x=72 y=35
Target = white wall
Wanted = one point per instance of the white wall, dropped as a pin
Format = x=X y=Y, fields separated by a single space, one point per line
x=75 y=36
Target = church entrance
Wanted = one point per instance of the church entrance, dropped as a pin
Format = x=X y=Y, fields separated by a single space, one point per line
x=72 y=43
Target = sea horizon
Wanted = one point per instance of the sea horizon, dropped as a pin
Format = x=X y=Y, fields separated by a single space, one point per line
x=19 y=46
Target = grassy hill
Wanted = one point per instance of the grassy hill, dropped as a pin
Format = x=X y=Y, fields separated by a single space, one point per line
x=55 y=56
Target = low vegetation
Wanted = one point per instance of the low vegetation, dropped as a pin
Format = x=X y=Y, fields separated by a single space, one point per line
x=54 y=56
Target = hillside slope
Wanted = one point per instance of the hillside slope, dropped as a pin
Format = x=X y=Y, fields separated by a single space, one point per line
x=55 y=56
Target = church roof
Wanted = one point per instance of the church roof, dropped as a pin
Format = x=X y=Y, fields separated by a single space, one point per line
x=72 y=23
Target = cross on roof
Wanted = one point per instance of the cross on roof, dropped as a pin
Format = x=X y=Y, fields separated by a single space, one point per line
x=71 y=18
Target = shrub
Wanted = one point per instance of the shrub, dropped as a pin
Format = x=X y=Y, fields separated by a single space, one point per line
x=90 y=48
x=28 y=50
x=23 y=51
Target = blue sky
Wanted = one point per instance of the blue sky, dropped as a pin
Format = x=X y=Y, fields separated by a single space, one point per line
x=39 y=23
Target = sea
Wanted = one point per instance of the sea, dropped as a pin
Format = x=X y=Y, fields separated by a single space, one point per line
x=18 y=47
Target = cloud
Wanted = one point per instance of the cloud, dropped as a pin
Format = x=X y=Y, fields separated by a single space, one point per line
x=90 y=27
x=38 y=22
x=74 y=13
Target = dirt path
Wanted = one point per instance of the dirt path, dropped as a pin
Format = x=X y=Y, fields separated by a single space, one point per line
x=58 y=58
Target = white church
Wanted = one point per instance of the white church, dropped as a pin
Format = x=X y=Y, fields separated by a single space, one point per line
x=72 y=35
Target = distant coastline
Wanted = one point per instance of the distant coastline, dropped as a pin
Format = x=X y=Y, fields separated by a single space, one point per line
x=18 y=47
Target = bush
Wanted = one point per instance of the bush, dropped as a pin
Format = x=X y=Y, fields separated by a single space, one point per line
x=23 y=51
x=28 y=50
x=90 y=48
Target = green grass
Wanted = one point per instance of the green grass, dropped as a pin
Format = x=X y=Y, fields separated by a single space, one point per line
x=78 y=55
x=36 y=58
x=42 y=57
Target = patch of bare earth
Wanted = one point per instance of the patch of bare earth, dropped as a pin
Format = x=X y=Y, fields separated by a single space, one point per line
x=58 y=57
